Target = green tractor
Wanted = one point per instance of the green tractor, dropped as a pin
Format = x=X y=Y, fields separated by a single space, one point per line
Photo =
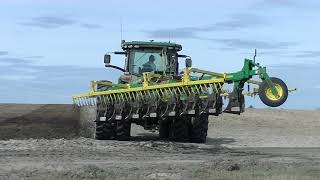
x=154 y=93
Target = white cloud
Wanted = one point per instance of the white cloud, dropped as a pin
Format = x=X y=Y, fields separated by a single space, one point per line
x=26 y=69
x=17 y=77
x=5 y=64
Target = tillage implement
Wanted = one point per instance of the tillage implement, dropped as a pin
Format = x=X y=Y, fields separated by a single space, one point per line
x=153 y=92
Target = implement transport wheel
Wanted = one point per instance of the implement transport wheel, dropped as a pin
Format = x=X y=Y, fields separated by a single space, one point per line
x=104 y=131
x=199 y=129
x=123 y=130
x=164 y=129
x=179 y=130
x=267 y=96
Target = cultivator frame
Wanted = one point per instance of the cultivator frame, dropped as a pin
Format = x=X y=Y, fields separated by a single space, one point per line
x=183 y=90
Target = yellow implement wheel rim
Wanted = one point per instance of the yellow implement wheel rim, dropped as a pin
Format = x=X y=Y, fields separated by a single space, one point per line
x=270 y=95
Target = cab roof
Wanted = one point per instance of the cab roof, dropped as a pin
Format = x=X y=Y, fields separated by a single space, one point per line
x=151 y=44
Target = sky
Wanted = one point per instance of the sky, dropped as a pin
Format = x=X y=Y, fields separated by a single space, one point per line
x=51 y=50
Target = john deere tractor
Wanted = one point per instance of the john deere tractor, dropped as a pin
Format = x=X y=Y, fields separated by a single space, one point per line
x=155 y=94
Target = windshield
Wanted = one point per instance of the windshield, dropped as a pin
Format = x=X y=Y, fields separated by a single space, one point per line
x=147 y=60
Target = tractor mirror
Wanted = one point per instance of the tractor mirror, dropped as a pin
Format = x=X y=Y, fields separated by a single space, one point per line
x=107 y=59
x=188 y=62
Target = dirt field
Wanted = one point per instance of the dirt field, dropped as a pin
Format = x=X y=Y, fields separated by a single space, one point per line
x=259 y=144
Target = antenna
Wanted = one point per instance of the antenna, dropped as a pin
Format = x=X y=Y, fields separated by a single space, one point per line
x=121 y=30
x=255 y=54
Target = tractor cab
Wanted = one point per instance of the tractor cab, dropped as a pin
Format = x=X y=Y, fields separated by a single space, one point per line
x=150 y=56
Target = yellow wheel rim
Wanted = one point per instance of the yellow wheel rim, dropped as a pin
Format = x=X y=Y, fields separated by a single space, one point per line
x=270 y=95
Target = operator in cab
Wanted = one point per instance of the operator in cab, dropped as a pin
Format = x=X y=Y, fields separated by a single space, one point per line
x=150 y=65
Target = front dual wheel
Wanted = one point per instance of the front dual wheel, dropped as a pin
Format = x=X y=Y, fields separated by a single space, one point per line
x=113 y=131
x=105 y=131
x=266 y=95
x=184 y=129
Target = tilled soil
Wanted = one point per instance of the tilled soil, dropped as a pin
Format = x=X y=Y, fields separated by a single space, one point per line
x=259 y=144
x=50 y=121
x=87 y=158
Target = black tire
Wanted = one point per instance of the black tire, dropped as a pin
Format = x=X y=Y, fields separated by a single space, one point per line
x=266 y=99
x=199 y=129
x=178 y=130
x=104 y=131
x=99 y=131
x=123 y=130
x=219 y=105
x=164 y=129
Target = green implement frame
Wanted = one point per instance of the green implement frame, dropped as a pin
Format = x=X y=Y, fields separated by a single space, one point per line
x=239 y=78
